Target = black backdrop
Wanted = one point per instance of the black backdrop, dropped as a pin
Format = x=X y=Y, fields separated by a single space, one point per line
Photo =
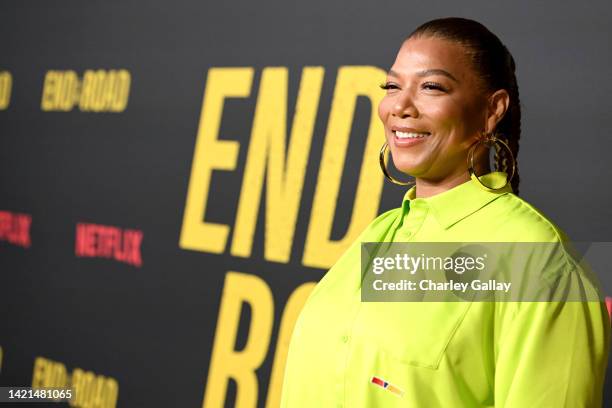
x=115 y=163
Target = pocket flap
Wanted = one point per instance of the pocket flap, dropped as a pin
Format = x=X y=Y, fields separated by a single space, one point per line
x=415 y=333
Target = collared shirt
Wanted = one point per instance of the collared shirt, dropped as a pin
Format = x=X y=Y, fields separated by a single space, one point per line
x=349 y=353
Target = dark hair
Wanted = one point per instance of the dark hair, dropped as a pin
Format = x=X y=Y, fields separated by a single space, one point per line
x=495 y=65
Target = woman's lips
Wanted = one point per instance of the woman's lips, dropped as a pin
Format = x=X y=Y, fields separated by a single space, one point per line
x=408 y=141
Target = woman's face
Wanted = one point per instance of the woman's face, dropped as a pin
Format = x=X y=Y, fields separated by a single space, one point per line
x=433 y=91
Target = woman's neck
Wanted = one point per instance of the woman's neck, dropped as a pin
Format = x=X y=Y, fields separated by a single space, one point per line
x=427 y=188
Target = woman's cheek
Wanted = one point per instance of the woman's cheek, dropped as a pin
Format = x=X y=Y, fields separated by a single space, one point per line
x=441 y=112
x=384 y=108
x=449 y=121
x=381 y=109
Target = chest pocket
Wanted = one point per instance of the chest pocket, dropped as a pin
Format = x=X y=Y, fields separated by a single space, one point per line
x=414 y=333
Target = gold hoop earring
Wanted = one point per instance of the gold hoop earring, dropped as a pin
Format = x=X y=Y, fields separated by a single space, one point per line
x=383 y=166
x=490 y=140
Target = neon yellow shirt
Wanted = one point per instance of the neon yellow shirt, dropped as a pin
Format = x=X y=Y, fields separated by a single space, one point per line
x=348 y=353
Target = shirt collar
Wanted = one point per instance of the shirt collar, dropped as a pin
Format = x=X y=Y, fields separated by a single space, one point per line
x=462 y=200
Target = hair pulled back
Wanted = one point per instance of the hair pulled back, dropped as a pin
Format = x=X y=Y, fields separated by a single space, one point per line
x=495 y=66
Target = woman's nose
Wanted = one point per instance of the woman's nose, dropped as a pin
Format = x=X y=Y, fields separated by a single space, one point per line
x=404 y=106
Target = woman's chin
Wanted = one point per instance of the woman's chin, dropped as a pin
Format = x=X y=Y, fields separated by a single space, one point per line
x=408 y=168
x=404 y=173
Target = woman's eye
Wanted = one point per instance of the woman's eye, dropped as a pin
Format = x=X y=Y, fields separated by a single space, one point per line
x=433 y=85
x=388 y=86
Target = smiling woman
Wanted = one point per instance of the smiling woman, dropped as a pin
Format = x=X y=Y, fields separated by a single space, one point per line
x=451 y=91
x=439 y=102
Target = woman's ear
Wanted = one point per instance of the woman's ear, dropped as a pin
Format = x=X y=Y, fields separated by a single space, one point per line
x=497 y=106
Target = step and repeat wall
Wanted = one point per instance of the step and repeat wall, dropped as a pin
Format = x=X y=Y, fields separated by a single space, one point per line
x=176 y=176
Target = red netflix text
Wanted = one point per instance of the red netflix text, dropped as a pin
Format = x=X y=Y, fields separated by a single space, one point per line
x=15 y=228
x=104 y=241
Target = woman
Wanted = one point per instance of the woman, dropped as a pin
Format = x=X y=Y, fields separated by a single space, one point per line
x=451 y=90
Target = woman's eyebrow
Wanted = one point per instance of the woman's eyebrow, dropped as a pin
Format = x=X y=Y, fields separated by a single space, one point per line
x=427 y=72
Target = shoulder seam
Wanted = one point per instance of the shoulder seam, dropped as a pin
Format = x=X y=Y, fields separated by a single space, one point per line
x=539 y=213
x=549 y=223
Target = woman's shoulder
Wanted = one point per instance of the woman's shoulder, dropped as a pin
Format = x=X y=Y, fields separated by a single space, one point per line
x=521 y=220
x=547 y=252
x=385 y=219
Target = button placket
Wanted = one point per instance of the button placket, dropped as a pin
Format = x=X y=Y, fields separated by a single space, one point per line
x=412 y=220
x=344 y=349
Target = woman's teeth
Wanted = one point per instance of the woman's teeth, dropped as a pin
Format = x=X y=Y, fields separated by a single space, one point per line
x=410 y=135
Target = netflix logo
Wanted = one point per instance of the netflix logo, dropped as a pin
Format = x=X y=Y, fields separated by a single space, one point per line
x=104 y=241
x=15 y=228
